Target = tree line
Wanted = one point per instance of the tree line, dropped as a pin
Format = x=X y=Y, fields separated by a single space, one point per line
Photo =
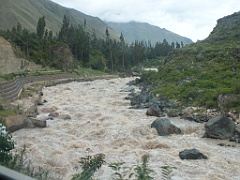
x=74 y=46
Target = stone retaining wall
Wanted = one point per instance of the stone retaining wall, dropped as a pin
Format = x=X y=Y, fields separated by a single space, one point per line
x=10 y=90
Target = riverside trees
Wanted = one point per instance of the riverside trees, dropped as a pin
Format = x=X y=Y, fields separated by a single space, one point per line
x=75 y=46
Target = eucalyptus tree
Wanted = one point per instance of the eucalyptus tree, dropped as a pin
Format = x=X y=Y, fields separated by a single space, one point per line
x=41 y=27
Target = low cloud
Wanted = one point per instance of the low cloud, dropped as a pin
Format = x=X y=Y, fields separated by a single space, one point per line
x=190 y=18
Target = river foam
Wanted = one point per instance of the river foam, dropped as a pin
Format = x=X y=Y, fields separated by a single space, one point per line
x=102 y=121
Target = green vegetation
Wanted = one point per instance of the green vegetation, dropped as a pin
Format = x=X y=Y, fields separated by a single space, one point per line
x=27 y=13
x=90 y=164
x=12 y=76
x=88 y=72
x=6 y=145
x=6 y=109
x=139 y=172
x=196 y=74
x=73 y=47
x=17 y=161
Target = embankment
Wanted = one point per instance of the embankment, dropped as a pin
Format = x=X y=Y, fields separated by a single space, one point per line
x=10 y=90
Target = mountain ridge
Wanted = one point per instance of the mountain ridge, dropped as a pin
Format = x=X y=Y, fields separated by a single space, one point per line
x=144 y=31
x=27 y=13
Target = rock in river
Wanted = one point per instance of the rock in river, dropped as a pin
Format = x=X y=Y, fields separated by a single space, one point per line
x=164 y=127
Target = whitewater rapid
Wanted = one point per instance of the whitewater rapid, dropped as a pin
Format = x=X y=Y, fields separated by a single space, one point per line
x=102 y=121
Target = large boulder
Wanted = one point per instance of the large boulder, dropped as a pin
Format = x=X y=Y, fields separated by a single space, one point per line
x=197 y=117
x=154 y=110
x=164 y=103
x=137 y=99
x=236 y=136
x=38 y=123
x=128 y=89
x=220 y=127
x=164 y=127
x=16 y=122
x=54 y=114
x=64 y=116
x=191 y=154
x=173 y=113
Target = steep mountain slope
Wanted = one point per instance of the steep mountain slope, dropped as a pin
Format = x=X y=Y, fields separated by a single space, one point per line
x=143 y=31
x=27 y=12
x=227 y=29
x=197 y=74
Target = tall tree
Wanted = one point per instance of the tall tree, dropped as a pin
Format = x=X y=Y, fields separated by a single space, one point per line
x=63 y=34
x=19 y=28
x=109 y=47
x=177 y=45
x=41 y=27
x=123 y=51
x=182 y=44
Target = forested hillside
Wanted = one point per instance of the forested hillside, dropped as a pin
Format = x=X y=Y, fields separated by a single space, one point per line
x=197 y=74
x=73 y=46
x=27 y=12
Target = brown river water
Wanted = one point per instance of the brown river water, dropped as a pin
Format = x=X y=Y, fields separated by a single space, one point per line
x=102 y=121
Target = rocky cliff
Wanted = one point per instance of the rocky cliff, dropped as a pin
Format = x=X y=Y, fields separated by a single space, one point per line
x=9 y=63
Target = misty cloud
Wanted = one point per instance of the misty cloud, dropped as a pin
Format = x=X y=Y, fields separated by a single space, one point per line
x=190 y=18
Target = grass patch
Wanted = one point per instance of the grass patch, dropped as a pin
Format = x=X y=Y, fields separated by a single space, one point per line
x=5 y=113
x=12 y=76
x=88 y=72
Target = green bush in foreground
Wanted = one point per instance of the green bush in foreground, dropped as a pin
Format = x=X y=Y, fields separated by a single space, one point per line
x=90 y=164
x=17 y=161
x=6 y=145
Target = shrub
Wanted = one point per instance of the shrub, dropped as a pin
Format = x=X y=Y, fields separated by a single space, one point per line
x=18 y=160
x=6 y=145
x=1 y=107
x=90 y=164
x=143 y=171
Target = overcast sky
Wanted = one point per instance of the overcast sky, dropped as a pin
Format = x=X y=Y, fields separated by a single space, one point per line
x=194 y=19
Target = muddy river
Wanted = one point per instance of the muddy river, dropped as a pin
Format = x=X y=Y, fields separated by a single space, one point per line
x=102 y=122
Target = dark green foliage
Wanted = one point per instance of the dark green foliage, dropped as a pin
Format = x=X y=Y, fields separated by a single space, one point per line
x=1 y=107
x=121 y=172
x=20 y=164
x=64 y=32
x=196 y=74
x=97 y=60
x=74 y=46
x=17 y=161
x=6 y=145
x=90 y=164
x=143 y=171
x=139 y=172
x=40 y=27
